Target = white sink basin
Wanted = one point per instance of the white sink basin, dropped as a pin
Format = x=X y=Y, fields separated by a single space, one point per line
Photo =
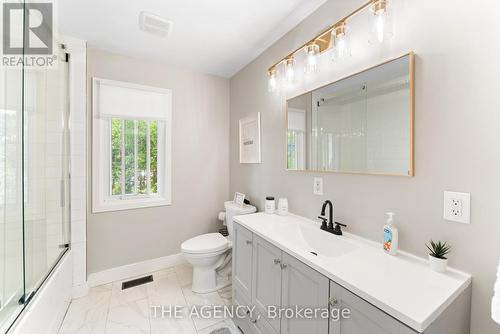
x=308 y=237
x=323 y=243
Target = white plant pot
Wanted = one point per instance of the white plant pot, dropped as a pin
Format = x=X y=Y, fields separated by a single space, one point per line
x=438 y=265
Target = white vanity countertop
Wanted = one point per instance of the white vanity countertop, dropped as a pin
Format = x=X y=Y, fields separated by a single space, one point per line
x=403 y=286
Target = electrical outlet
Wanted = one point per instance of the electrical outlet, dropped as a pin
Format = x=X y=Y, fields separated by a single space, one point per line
x=456 y=207
x=318 y=186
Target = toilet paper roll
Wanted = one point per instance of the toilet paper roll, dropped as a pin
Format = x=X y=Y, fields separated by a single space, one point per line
x=222 y=217
x=495 y=304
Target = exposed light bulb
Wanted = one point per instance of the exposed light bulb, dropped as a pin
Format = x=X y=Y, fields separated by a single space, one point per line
x=379 y=26
x=312 y=52
x=289 y=70
x=341 y=47
x=272 y=81
x=381 y=22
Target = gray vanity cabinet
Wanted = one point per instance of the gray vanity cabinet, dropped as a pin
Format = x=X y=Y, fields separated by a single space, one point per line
x=264 y=275
x=242 y=262
x=304 y=287
x=276 y=280
x=364 y=318
x=266 y=288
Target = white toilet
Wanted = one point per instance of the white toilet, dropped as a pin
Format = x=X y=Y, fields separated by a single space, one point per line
x=211 y=252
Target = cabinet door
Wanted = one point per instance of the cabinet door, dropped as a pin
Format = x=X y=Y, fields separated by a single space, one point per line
x=303 y=287
x=242 y=262
x=364 y=317
x=266 y=290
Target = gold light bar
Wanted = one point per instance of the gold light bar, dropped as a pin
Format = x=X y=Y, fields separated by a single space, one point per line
x=324 y=39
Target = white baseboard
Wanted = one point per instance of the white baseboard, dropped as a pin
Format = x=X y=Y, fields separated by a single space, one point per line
x=134 y=269
x=79 y=291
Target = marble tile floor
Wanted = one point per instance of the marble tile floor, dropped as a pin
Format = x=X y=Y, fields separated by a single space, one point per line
x=109 y=310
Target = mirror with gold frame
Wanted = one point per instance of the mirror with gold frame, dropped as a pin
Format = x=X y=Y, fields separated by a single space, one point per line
x=360 y=124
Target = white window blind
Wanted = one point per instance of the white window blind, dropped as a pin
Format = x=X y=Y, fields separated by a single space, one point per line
x=115 y=99
x=296 y=119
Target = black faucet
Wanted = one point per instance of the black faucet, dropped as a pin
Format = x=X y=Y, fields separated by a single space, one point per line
x=328 y=225
x=330 y=217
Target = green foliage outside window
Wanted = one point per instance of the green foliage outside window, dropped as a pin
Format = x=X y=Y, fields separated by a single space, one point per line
x=129 y=156
x=153 y=128
x=116 y=156
x=142 y=157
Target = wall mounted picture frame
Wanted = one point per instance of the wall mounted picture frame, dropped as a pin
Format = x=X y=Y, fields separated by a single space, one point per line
x=250 y=140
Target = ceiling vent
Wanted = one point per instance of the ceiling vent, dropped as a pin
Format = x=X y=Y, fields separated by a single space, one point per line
x=155 y=24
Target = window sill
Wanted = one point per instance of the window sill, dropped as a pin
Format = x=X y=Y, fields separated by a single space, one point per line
x=130 y=204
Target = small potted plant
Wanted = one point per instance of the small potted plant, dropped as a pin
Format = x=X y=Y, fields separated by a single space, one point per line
x=437 y=256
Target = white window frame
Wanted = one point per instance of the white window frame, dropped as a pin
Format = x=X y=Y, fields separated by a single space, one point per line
x=102 y=199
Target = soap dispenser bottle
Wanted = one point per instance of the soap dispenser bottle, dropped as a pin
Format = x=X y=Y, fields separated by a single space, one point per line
x=390 y=235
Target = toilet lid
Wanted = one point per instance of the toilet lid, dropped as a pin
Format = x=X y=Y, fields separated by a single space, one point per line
x=205 y=243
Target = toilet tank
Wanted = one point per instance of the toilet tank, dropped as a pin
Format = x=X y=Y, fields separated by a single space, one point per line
x=235 y=210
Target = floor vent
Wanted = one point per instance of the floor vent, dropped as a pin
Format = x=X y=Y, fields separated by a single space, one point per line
x=137 y=281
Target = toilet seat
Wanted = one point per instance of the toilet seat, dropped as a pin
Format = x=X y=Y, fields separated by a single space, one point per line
x=205 y=244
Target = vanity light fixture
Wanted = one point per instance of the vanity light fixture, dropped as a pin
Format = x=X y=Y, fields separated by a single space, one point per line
x=381 y=22
x=289 y=69
x=272 y=80
x=341 y=47
x=336 y=37
x=312 y=53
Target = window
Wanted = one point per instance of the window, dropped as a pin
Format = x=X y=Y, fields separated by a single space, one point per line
x=134 y=152
x=295 y=152
x=131 y=146
x=295 y=138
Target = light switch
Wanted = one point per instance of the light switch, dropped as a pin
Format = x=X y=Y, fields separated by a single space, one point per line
x=318 y=186
x=456 y=207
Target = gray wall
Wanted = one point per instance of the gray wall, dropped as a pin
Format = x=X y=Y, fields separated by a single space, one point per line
x=199 y=161
x=457 y=134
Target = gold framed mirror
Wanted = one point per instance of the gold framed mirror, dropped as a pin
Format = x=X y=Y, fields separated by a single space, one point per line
x=363 y=123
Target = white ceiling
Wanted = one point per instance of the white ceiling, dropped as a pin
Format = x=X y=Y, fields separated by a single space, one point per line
x=212 y=36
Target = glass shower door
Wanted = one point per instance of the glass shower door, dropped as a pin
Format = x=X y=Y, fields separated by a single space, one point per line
x=11 y=197
x=34 y=176
x=46 y=170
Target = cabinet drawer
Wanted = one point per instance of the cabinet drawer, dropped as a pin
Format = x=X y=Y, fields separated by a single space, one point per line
x=243 y=323
x=252 y=323
x=262 y=325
